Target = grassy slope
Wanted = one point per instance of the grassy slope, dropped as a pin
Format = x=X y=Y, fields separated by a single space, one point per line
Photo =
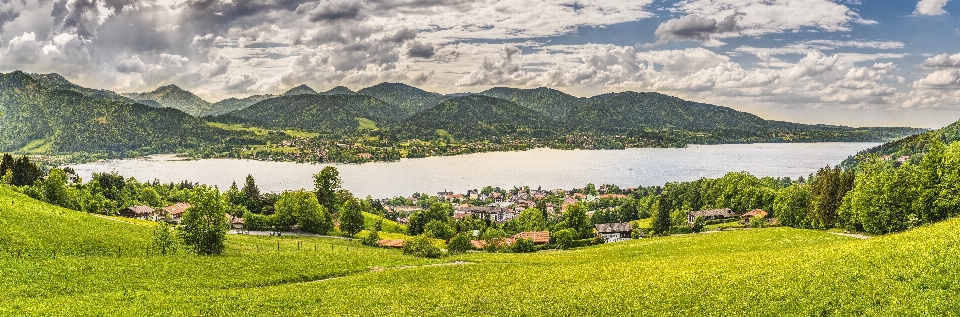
x=753 y=272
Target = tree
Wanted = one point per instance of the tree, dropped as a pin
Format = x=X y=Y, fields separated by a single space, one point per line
x=55 y=188
x=439 y=229
x=251 y=195
x=523 y=245
x=205 y=223
x=698 y=224
x=422 y=246
x=576 y=218
x=826 y=192
x=6 y=164
x=150 y=197
x=164 y=239
x=494 y=239
x=301 y=207
x=351 y=217
x=25 y=172
x=661 y=222
x=326 y=184
x=565 y=238
x=372 y=239
x=436 y=211
x=531 y=219
x=460 y=243
x=790 y=206
x=590 y=189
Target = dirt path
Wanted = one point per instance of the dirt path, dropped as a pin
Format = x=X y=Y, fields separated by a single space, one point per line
x=852 y=235
x=381 y=269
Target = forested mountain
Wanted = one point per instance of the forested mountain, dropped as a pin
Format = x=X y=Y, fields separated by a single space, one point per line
x=314 y=113
x=477 y=117
x=912 y=145
x=406 y=100
x=626 y=111
x=171 y=96
x=54 y=81
x=234 y=104
x=551 y=102
x=339 y=90
x=40 y=119
x=300 y=90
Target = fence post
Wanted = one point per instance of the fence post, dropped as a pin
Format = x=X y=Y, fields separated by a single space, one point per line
x=278 y=245
x=118 y=251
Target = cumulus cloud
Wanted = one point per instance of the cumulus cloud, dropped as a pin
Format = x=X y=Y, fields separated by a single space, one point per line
x=420 y=50
x=504 y=68
x=697 y=28
x=930 y=7
x=942 y=61
x=81 y=16
x=331 y=10
x=132 y=65
x=777 y=16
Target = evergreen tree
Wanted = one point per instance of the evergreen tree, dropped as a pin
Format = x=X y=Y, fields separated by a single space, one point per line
x=6 y=164
x=351 y=217
x=661 y=222
x=251 y=195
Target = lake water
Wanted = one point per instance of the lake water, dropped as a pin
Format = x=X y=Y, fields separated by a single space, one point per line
x=548 y=168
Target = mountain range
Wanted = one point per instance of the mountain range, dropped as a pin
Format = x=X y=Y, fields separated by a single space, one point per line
x=45 y=113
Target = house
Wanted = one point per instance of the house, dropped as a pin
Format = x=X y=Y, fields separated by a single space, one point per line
x=745 y=218
x=174 y=213
x=394 y=243
x=495 y=213
x=613 y=232
x=365 y=156
x=139 y=212
x=538 y=237
x=712 y=214
x=236 y=223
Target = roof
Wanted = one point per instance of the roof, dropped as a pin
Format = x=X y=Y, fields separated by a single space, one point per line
x=391 y=243
x=140 y=210
x=537 y=236
x=613 y=227
x=176 y=209
x=724 y=213
x=756 y=213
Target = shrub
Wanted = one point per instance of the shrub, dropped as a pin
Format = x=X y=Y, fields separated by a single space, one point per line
x=758 y=222
x=421 y=246
x=460 y=243
x=494 y=239
x=523 y=245
x=565 y=238
x=372 y=239
x=698 y=224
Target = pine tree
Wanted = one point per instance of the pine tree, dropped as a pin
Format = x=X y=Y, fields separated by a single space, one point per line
x=661 y=224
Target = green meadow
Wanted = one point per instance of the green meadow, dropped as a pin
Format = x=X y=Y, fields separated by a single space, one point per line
x=772 y=271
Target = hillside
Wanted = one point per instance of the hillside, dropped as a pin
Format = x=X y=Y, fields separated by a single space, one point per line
x=912 y=145
x=477 y=117
x=406 y=100
x=313 y=113
x=339 y=90
x=37 y=119
x=172 y=96
x=554 y=103
x=35 y=228
x=234 y=104
x=782 y=271
x=636 y=111
x=300 y=90
x=56 y=82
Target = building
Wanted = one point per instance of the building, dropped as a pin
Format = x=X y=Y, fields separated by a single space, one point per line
x=139 y=212
x=174 y=213
x=538 y=237
x=613 y=232
x=712 y=214
x=494 y=213
x=745 y=218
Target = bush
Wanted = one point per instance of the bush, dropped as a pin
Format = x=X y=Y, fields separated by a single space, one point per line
x=258 y=222
x=494 y=239
x=460 y=243
x=523 y=245
x=698 y=224
x=372 y=239
x=758 y=222
x=565 y=238
x=421 y=246
x=439 y=229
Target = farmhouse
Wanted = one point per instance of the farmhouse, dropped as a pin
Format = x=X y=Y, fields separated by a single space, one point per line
x=174 y=213
x=139 y=212
x=613 y=232
x=538 y=237
x=712 y=214
x=745 y=218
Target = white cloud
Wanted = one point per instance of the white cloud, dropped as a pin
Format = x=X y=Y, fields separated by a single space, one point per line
x=930 y=7
x=777 y=16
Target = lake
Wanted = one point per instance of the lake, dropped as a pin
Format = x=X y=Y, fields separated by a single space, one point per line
x=548 y=168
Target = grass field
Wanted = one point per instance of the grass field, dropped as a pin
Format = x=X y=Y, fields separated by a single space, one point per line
x=775 y=271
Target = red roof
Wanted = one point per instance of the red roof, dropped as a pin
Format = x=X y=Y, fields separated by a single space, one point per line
x=756 y=212
x=538 y=237
x=176 y=209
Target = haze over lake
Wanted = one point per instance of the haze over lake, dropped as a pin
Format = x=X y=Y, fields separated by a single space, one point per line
x=540 y=167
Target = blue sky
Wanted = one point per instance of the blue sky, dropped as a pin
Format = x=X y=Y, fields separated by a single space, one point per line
x=852 y=62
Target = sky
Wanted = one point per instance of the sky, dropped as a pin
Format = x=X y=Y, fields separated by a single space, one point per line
x=850 y=62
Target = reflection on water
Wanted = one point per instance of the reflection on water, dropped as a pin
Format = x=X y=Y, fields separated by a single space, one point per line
x=541 y=167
